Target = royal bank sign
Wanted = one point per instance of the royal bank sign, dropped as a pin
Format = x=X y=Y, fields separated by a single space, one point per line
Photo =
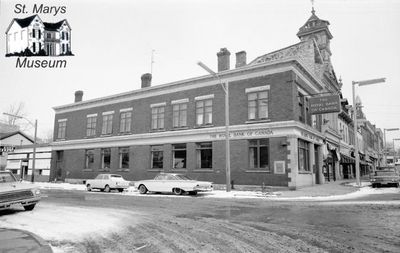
x=324 y=104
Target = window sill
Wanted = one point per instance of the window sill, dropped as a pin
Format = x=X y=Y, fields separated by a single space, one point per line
x=203 y=170
x=203 y=126
x=87 y=170
x=125 y=133
x=257 y=121
x=123 y=170
x=258 y=171
x=157 y=130
x=90 y=137
x=105 y=135
x=180 y=128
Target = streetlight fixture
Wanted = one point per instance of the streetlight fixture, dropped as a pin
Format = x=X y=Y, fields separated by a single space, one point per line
x=34 y=141
x=394 y=150
x=384 y=140
x=227 y=146
x=359 y=83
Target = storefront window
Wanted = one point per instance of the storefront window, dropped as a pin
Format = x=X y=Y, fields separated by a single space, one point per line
x=124 y=158
x=89 y=159
x=258 y=154
x=304 y=156
x=106 y=158
x=204 y=155
x=157 y=156
x=179 y=156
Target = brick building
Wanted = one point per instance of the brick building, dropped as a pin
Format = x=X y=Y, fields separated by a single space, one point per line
x=179 y=126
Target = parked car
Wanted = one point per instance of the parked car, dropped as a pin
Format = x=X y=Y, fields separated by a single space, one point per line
x=107 y=182
x=387 y=176
x=14 y=192
x=176 y=183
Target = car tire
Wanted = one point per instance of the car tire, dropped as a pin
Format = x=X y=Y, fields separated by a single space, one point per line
x=142 y=189
x=88 y=187
x=193 y=193
x=178 y=191
x=120 y=190
x=373 y=186
x=107 y=188
x=29 y=207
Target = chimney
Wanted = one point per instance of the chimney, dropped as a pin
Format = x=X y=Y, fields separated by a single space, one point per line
x=240 y=59
x=223 y=59
x=146 y=80
x=78 y=96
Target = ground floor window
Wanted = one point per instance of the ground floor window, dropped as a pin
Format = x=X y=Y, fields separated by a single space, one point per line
x=258 y=154
x=304 y=156
x=157 y=156
x=179 y=156
x=204 y=155
x=105 y=158
x=89 y=159
x=124 y=158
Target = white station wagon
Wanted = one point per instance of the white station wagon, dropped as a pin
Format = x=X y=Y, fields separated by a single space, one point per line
x=176 y=183
x=107 y=182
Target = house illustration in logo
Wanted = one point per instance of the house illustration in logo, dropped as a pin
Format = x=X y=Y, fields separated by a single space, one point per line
x=32 y=37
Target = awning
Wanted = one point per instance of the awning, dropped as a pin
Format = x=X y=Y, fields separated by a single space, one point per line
x=346 y=159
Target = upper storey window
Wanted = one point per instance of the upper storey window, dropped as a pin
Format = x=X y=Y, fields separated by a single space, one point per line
x=204 y=110
x=62 y=126
x=157 y=116
x=107 y=122
x=257 y=103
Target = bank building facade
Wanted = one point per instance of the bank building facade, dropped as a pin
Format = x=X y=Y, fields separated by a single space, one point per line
x=180 y=126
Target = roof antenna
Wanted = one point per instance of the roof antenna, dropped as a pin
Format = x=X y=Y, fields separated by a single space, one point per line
x=152 y=61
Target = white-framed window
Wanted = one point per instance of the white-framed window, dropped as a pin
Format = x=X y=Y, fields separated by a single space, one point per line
x=179 y=156
x=179 y=115
x=157 y=117
x=125 y=122
x=204 y=110
x=91 y=121
x=107 y=123
x=62 y=126
x=258 y=105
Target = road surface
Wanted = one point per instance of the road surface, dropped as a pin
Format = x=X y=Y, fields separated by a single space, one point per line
x=78 y=221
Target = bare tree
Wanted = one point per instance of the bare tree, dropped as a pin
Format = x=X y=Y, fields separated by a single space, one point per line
x=18 y=109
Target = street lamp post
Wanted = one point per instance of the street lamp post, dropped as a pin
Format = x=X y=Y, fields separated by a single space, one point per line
x=34 y=142
x=359 y=83
x=227 y=145
x=384 y=140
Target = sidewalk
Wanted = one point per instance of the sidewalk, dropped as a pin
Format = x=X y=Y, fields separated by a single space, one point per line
x=21 y=241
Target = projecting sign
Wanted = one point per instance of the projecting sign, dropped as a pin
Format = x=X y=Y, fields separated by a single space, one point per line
x=325 y=104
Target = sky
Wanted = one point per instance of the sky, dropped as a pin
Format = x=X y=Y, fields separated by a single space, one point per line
x=113 y=41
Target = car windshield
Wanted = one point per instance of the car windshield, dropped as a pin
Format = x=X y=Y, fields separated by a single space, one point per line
x=385 y=173
x=6 y=177
x=183 y=177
